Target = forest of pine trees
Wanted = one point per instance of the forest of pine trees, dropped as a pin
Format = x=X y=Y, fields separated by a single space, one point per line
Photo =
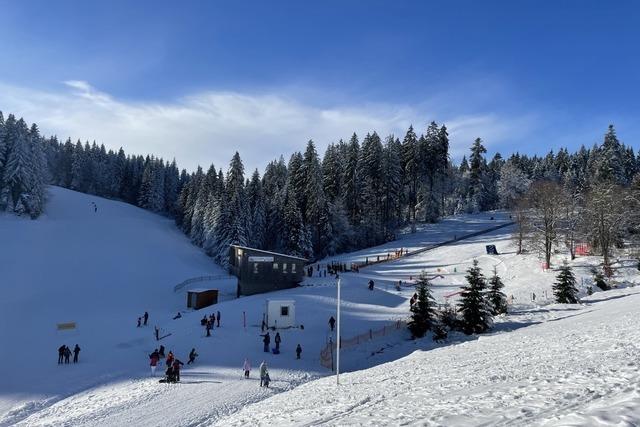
x=357 y=194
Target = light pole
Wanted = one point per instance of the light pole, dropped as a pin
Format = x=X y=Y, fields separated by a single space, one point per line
x=338 y=337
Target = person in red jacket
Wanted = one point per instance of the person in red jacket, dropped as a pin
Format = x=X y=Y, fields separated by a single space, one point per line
x=169 y=358
x=154 y=358
x=176 y=369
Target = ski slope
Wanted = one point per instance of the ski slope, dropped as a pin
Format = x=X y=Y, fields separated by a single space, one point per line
x=104 y=269
x=579 y=366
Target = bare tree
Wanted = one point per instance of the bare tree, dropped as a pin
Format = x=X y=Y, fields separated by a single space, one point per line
x=544 y=200
x=570 y=221
x=608 y=214
x=519 y=216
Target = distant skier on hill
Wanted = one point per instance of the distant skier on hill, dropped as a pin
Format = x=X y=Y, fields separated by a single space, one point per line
x=61 y=354
x=76 y=351
x=67 y=354
x=266 y=340
x=192 y=356
x=332 y=323
x=264 y=375
x=218 y=318
x=277 y=340
x=146 y=318
x=298 y=351
x=246 y=367
x=153 y=361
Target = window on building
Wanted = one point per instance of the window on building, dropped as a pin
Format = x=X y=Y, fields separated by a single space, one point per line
x=284 y=310
x=284 y=267
x=275 y=265
x=255 y=268
x=293 y=268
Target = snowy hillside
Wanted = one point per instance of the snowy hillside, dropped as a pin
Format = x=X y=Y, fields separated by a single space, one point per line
x=104 y=268
x=580 y=366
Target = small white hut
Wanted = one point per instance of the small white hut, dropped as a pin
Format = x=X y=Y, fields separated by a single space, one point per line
x=280 y=313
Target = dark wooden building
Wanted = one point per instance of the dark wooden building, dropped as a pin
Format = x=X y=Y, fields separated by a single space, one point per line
x=200 y=298
x=261 y=271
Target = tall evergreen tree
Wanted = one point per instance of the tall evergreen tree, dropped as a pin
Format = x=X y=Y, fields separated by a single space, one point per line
x=497 y=299
x=423 y=311
x=476 y=313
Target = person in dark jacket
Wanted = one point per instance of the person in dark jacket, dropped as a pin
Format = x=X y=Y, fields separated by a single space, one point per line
x=146 y=318
x=176 y=369
x=277 y=340
x=169 y=359
x=61 y=354
x=177 y=316
x=266 y=340
x=76 y=351
x=67 y=354
x=161 y=351
x=218 y=318
x=298 y=351
x=139 y=320
x=192 y=356
x=332 y=323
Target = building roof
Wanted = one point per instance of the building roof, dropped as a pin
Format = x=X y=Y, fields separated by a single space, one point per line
x=268 y=252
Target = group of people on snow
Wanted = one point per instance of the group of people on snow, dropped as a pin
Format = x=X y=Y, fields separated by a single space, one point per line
x=142 y=320
x=210 y=322
x=172 y=372
x=64 y=354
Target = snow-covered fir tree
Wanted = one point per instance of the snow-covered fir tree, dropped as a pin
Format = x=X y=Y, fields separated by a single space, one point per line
x=497 y=299
x=564 y=289
x=423 y=310
x=474 y=308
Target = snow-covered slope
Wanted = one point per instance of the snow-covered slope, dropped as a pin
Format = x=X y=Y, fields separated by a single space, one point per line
x=580 y=366
x=104 y=269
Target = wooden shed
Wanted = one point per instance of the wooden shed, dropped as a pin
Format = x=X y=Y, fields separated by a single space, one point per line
x=200 y=298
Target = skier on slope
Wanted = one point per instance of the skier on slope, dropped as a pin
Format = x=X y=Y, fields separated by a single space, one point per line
x=146 y=318
x=192 y=356
x=277 y=340
x=67 y=354
x=266 y=340
x=61 y=354
x=76 y=351
x=298 y=351
x=332 y=323
x=246 y=367
x=264 y=374
x=153 y=361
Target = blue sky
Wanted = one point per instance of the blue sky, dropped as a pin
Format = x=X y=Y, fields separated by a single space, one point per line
x=198 y=79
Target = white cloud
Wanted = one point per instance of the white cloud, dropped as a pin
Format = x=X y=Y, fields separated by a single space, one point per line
x=209 y=127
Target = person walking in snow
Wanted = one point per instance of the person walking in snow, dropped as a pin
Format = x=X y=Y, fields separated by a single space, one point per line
x=332 y=323
x=192 y=356
x=218 y=318
x=157 y=333
x=264 y=374
x=169 y=360
x=139 y=321
x=61 y=354
x=146 y=318
x=67 y=354
x=263 y=326
x=277 y=340
x=370 y=285
x=176 y=369
x=266 y=340
x=76 y=351
x=153 y=361
x=298 y=351
x=208 y=327
x=246 y=367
